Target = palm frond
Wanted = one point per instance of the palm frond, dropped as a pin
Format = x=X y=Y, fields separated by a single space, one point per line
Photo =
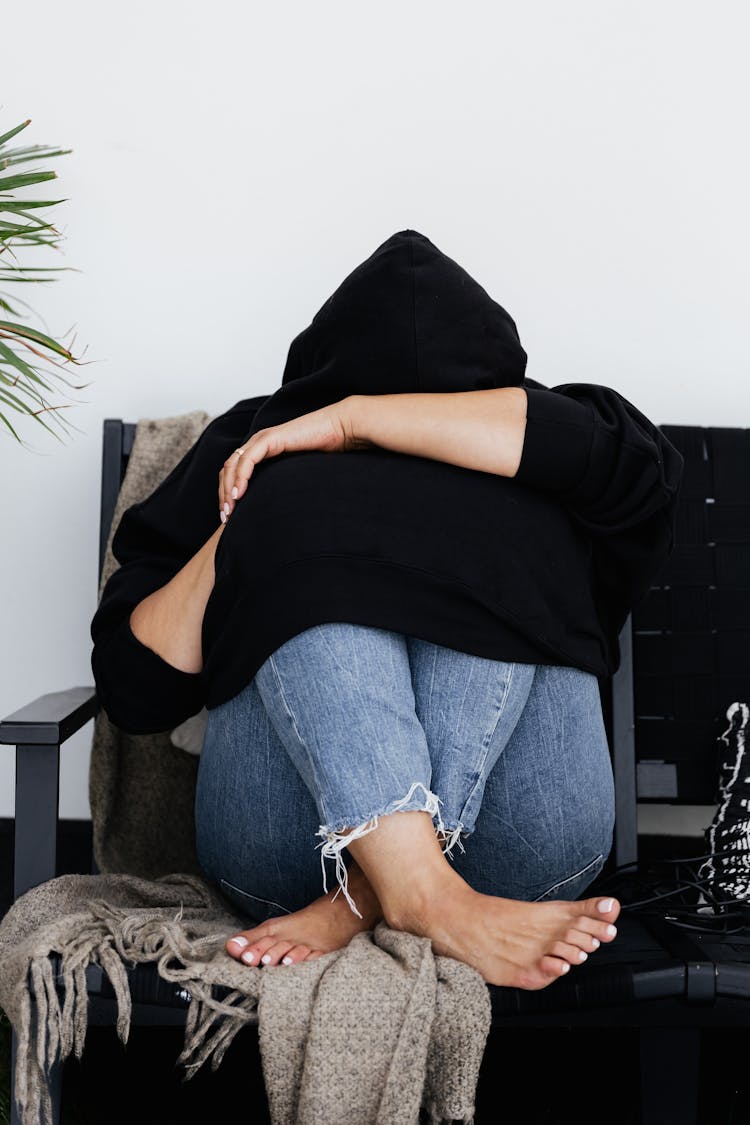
x=21 y=227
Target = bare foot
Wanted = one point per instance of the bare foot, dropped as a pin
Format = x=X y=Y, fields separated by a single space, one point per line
x=512 y=943
x=319 y=928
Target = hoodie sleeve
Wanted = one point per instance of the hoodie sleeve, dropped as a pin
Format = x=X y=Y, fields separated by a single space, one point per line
x=617 y=475
x=140 y=691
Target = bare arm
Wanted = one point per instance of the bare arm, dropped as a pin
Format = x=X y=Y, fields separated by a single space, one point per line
x=169 y=621
x=475 y=429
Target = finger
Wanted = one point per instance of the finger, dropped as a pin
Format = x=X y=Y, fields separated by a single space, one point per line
x=222 y=513
x=238 y=470
x=228 y=481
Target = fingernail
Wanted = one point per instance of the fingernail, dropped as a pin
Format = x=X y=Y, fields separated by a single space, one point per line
x=248 y=956
x=286 y=960
x=235 y=490
x=226 y=506
x=266 y=958
x=605 y=905
x=612 y=930
x=595 y=942
x=241 y=941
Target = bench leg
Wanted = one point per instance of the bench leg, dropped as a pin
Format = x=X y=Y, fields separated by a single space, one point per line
x=670 y=1075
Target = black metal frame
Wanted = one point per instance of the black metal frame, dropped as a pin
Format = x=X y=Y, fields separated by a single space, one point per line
x=39 y=729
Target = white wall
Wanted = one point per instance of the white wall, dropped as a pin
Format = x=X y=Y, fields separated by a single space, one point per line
x=585 y=161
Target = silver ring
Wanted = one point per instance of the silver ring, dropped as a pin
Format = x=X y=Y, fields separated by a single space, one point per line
x=239 y=452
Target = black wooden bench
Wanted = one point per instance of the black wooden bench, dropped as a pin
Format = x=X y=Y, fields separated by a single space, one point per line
x=685 y=658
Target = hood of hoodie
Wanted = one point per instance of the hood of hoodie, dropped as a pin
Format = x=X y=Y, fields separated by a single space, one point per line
x=407 y=319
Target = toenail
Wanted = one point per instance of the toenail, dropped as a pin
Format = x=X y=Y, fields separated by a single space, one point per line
x=565 y=966
x=582 y=955
x=612 y=930
x=286 y=960
x=241 y=941
x=248 y=956
x=605 y=905
x=266 y=958
x=595 y=942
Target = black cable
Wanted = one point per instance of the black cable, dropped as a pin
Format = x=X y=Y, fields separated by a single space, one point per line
x=709 y=916
x=669 y=859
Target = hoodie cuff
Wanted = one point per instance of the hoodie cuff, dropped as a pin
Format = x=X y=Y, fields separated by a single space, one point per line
x=557 y=443
x=141 y=692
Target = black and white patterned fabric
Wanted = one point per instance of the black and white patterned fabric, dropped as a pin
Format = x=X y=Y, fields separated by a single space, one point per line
x=726 y=871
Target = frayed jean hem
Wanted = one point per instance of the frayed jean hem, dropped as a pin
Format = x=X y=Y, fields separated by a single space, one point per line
x=336 y=839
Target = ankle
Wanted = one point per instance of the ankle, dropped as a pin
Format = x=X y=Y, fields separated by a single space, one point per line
x=362 y=892
x=403 y=862
x=422 y=899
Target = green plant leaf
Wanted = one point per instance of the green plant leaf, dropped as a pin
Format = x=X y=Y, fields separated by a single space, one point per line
x=7 y=423
x=16 y=228
x=27 y=388
x=14 y=400
x=39 y=337
x=22 y=227
x=34 y=150
x=37 y=379
x=36 y=418
x=6 y=136
x=24 y=179
x=19 y=207
x=15 y=361
x=38 y=269
x=21 y=156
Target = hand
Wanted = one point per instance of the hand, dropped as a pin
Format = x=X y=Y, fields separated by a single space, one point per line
x=330 y=429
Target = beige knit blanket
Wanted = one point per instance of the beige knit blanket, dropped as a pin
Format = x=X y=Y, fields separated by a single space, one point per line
x=378 y=1033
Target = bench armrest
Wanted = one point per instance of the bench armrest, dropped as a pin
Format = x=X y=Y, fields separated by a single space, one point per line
x=37 y=731
x=51 y=719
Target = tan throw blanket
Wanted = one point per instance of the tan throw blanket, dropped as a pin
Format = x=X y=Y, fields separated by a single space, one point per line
x=362 y=1036
x=365 y=1035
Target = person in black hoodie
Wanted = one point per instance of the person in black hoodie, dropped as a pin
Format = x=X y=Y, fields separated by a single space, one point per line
x=405 y=486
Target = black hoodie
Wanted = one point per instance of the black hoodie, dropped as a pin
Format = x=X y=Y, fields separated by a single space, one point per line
x=542 y=567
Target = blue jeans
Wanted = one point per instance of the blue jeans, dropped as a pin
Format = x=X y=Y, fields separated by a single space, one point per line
x=346 y=723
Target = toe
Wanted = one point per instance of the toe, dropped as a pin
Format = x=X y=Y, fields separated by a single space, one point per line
x=296 y=954
x=273 y=954
x=243 y=938
x=602 y=931
x=573 y=954
x=583 y=940
x=554 y=966
x=253 y=953
x=601 y=907
x=236 y=945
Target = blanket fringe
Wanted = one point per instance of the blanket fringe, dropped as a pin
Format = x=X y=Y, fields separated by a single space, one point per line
x=432 y=1114
x=198 y=1047
x=49 y=1032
